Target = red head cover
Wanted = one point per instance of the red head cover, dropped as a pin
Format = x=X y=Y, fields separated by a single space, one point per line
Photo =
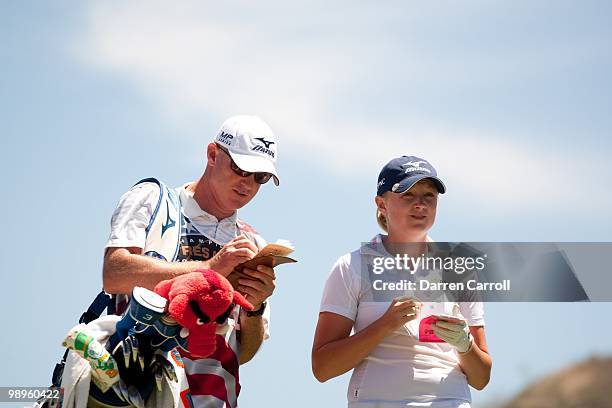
x=195 y=300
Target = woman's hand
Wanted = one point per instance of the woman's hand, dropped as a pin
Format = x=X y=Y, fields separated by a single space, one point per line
x=399 y=312
x=454 y=333
x=335 y=351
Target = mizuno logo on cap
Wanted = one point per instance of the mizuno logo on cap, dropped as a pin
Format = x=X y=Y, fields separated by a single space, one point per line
x=264 y=149
x=265 y=142
x=415 y=166
x=260 y=148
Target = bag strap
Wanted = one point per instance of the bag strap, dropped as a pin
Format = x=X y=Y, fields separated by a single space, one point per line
x=102 y=302
x=164 y=229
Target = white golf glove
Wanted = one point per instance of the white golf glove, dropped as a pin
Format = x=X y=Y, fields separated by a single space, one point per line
x=456 y=334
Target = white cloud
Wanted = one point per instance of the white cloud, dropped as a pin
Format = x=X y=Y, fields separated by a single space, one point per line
x=294 y=73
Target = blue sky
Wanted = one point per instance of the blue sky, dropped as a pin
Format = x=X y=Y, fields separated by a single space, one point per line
x=509 y=100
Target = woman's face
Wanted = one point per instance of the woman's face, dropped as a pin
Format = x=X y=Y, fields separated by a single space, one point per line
x=411 y=214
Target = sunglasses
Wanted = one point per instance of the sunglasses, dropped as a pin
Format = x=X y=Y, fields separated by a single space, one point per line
x=203 y=318
x=260 y=177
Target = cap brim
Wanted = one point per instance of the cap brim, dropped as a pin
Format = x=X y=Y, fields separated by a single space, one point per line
x=408 y=182
x=255 y=164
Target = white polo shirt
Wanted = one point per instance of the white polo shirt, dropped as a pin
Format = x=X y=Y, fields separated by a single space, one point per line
x=400 y=371
x=213 y=380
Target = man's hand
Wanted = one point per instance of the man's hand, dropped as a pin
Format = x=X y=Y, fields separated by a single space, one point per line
x=238 y=250
x=257 y=285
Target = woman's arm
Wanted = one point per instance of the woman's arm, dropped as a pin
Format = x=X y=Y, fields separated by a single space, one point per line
x=476 y=363
x=474 y=357
x=334 y=351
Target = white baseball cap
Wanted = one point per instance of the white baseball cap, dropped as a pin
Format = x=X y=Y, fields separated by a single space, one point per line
x=250 y=143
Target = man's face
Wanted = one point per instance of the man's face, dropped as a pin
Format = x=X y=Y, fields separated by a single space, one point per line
x=231 y=190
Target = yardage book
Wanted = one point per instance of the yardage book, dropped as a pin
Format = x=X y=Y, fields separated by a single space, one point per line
x=271 y=255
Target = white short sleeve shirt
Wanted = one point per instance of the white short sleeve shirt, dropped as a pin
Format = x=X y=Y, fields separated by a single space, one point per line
x=400 y=371
x=134 y=211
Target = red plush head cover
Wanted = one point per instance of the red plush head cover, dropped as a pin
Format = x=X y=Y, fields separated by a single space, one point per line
x=198 y=301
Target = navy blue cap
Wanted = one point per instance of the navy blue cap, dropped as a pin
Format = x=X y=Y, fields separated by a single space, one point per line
x=404 y=172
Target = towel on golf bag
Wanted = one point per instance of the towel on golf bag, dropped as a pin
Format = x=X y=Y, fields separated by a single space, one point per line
x=77 y=372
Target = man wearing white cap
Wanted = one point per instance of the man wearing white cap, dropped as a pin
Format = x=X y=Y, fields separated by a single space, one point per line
x=158 y=233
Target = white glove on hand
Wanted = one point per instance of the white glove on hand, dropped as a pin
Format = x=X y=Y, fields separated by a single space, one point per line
x=456 y=334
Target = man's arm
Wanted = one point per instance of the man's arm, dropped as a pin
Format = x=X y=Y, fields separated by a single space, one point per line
x=251 y=336
x=258 y=285
x=125 y=268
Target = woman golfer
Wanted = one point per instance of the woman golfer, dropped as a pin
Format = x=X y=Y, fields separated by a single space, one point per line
x=391 y=366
